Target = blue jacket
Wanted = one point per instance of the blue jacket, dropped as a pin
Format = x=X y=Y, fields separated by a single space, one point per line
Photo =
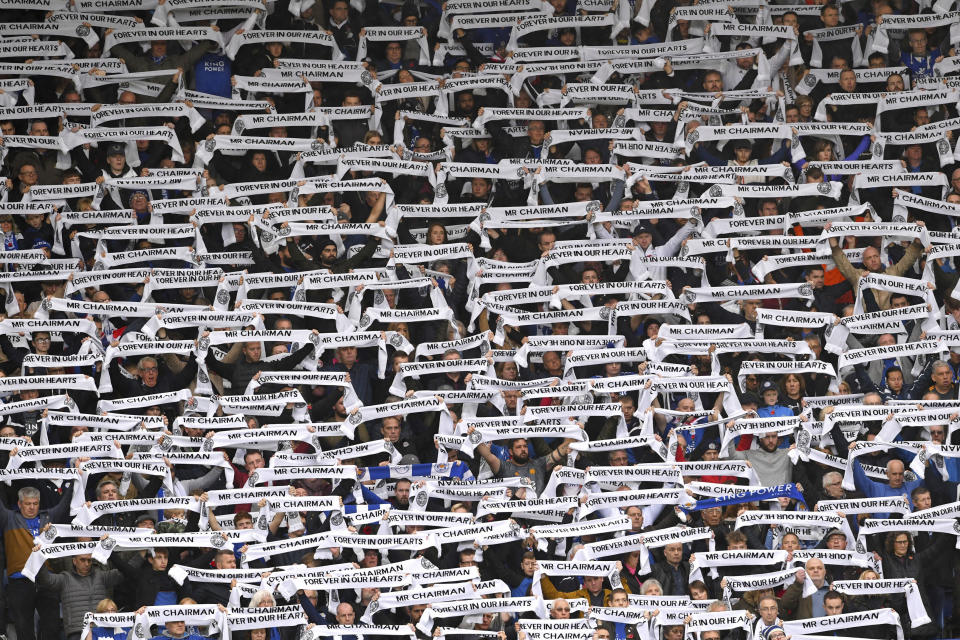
x=186 y=636
x=775 y=411
x=874 y=489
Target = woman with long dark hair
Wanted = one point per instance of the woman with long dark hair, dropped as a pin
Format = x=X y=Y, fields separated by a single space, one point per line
x=899 y=559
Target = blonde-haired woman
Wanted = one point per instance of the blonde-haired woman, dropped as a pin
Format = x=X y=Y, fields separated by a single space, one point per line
x=109 y=632
x=866 y=602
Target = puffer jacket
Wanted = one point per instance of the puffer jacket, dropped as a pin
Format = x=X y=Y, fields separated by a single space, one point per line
x=79 y=594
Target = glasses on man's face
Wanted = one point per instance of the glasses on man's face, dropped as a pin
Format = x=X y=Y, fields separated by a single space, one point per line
x=562 y=609
x=148 y=369
x=901 y=542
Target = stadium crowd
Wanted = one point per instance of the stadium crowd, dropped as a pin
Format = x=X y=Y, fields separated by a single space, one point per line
x=514 y=319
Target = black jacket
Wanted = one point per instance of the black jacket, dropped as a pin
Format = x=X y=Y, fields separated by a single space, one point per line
x=664 y=575
x=241 y=372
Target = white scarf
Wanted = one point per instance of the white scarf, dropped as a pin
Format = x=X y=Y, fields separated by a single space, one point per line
x=877 y=525
x=844 y=621
x=65 y=550
x=88 y=514
x=479 y=605
x=760 y=291
x=915 y=608
x=624 y=499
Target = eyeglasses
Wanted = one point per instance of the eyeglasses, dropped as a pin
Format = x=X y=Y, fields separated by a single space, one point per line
x=901 y=542
x=41 y=339
x=28 y=173
x=148 y=368
x=562 y=609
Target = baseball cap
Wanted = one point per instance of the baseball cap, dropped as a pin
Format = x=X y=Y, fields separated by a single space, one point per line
x=409 y=459
x=41 y=244
x=641 y=228
x=768 y=385
x=742 y=143
x=116 y=149
x=835 y=532
x=713 y=445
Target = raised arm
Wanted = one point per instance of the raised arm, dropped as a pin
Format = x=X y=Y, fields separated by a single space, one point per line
x=288 y=362
x=862 y=482
x=183 y=378
x=299 y=261
x=13 y=354
x=61 y=512
x=203 y=481
x=672 y=246
x=942 y=491
x=909 y=257
x=484 y=450
x=840 y=259
x=557 y=455
x=220 y=368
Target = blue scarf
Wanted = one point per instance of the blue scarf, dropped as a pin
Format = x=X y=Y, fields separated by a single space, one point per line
x=423 y=469
x=784 y=490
